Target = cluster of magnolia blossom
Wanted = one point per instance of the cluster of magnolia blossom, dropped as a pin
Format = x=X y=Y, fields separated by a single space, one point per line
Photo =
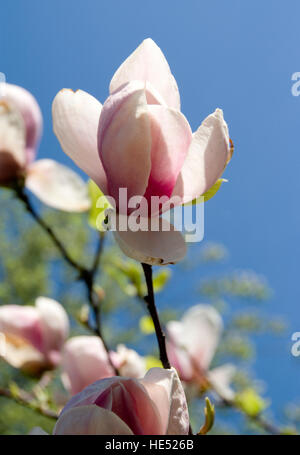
x=36 y=340
x=139 y=140
x=20 y=133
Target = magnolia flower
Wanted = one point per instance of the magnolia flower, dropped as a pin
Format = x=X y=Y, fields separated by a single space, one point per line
x=154 y=405
x=20 y=133
x=33 y=336
x=191 y=346
x=84 y=361
x=128 y=362
x=139 y=140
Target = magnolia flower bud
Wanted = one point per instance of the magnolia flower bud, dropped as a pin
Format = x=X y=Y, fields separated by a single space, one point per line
x=34 y=336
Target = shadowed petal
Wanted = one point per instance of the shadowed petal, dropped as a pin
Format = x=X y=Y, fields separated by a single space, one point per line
x=57 y=186
x=19 y=353
x=152 y=247
x=128 y=399
x=54 y=322
x=89 y=394
x=153 y=405
x=165 y=389
x=12 y=142
x=22 y=322
x=125 y=397
x=23 y=334
x=84 y=361
x=26 y=105
x=90 y=420
x=75 y=124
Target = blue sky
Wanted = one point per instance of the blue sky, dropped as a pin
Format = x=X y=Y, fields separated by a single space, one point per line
x=231 y=54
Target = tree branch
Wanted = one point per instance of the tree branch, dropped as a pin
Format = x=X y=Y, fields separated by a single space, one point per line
x=25 y=399
x=161 y=338
x=258 y=419
x=49 y=231
x=150 y=301
x=84 y=274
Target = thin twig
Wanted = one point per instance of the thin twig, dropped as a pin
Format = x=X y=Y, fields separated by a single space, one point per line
x=24 y=198
x=84 y=274
x=150 y=301
x=265 y=425
x=89 y=279
x=98 y=253
x=258 y=419
x=161 y=338
x=25 y=399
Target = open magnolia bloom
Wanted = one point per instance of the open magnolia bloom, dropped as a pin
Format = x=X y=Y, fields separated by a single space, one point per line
x=128 y=362
x=154 y=405
x=85 y=360
x=20 y=133
x=32 y=337
x=141 y=142
x=191 y=346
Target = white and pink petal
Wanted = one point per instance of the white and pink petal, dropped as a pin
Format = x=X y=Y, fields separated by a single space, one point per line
x=147 y=63
x=165 y=389
x=75 y=124
x=24 y=103
x=124 y=141
x=57 y=186
x=206 y=158
x=154 y=247
x=171 y=136
x=84 y=361
x=54 y=323
x=90 y=420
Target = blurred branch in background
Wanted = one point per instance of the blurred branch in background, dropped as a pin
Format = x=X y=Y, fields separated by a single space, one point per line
x=31 y=265
x=86 y=275
x=28 y=400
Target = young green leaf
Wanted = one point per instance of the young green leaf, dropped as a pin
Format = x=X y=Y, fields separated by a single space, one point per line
x=209 y=412
x=208 y=194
